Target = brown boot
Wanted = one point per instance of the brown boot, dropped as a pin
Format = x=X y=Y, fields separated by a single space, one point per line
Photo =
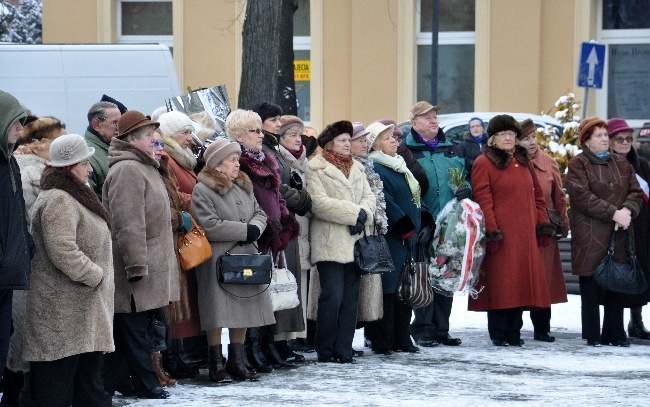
x=217 y=372
x=235 y=365
x=163 y=377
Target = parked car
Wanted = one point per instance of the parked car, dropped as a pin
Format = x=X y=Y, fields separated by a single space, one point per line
x=642 y=141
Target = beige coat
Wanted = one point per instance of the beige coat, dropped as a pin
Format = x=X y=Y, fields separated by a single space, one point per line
x=224 y=209
x=336 y=202
x=70 y=300
x=136 y=198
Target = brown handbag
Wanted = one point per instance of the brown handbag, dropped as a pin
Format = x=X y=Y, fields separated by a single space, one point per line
x=556 y=220
x=193 y=247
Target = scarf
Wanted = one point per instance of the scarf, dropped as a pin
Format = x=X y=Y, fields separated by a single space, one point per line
x=377 y=188
x=602 y=155
x=297 y=154
x=398 y=164
x=431 y=144
x=270 y=139
x=340 y=161
x=257 y=155
x=481 y=139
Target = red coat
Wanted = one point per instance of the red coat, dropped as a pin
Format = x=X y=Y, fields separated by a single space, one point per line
x=513 y=204
x=548 y=174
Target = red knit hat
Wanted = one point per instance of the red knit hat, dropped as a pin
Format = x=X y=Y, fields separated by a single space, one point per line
x=617 y=125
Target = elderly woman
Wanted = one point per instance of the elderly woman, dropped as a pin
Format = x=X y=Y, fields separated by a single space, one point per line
x=146 y=269
x=342 y=205
x=225 y=207
x=516 y=224
x=69 y=324
x=408 y=225
x=281 y=226
x=548 y=175
x=620 y=138
x=605 y=196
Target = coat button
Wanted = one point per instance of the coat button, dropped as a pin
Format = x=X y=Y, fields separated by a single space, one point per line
x=611 y=184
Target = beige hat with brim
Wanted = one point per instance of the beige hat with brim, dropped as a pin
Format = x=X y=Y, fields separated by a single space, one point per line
x=69 y=149
x=375 y=130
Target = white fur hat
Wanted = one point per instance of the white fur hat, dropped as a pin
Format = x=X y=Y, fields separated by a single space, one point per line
x=69 y=149
x=174 y=121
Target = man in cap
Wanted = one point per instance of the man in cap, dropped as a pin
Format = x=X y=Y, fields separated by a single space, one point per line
x=16 y=242
x=436 y=155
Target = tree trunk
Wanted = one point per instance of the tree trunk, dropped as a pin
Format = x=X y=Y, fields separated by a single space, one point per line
x=267 y=60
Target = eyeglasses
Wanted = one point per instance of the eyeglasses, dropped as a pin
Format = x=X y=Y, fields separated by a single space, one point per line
x=160 y=144
x=258 y=131
x=105 y=120
x=507 y=133
x=627 y=139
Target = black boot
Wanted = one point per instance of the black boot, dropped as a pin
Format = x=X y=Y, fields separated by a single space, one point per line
x=635 y=327
x=272 y=354
x=217 y=371
x=174 y=364
x=287 y=353
x=235 y=365
x=254 y=353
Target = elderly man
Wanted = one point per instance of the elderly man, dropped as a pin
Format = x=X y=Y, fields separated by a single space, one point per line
x=102 y=127
x=436 y=155
x=16 y=242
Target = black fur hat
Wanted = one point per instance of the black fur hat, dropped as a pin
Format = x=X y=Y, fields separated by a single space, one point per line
x=333 y=130
x=501 y=123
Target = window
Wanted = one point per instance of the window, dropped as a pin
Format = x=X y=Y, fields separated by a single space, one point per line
x=301 y=59
x=456 y=41
x=145 y=21
x=624 y=29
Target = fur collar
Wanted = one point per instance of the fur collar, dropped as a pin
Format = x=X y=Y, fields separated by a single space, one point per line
x=263 y=173
x=123 y=150
x=218 y=182
x=299 y=164
x=501 y=158
x=63 y=179
x=30 y=160
x=184 y=156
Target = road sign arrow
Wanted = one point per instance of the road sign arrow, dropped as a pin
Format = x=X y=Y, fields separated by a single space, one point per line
x=592 y=61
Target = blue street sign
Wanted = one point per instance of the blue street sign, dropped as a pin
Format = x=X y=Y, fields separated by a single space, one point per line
x=592 y=65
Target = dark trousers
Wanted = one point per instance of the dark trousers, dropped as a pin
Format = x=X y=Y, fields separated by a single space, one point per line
x=75 y=380
x=5 y=325
x=391 y=332
x=432 y=321
x=337 y=309
x=541 y=320
x=132 y=353
x=505 y=324
x=591 y=296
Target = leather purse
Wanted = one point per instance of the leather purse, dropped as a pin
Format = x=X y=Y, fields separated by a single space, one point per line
x=283 y=288
x=193 y=247
x=244 y=269
x=414 y=285
x=372 y=255
x=555 y=219
x=626 y=278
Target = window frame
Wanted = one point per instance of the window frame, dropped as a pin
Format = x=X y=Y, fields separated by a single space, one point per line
x=167 y=40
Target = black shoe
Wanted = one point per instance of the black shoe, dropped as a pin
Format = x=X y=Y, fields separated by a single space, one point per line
x=516 y=342
x=620 y=343
x=635 y=327
x=447 y=340
x=127 y=391
x=500 y=342
x=545 y=337
x=408 y=349
x=287 y=353
x=347 y=360
x=155 y=393
x=383 y=351
x=595 y=344
x=327 y=359
x=357 y=353
x=427 y=342
x=272 y=354
x=300 y=345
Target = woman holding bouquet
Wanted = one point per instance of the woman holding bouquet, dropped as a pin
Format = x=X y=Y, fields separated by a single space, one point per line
x=516 y=223
x=408 y=225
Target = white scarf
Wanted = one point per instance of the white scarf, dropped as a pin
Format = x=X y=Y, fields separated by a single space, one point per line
x=398 y=164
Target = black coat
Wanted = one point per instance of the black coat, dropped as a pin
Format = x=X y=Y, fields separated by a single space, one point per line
x=16 y=244
x=469 y=150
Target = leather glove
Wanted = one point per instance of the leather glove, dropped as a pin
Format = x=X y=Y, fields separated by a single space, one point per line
x=295 y=181
x=412 y=239
x=493 y=247
x=362 y=218
x=462 y=193
x=543 y=241
x=357 y=229
x=252 y=233
x=187 y=223
x=134 y=279
x=424 y=235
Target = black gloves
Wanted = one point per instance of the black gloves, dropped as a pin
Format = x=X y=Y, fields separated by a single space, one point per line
x=424 y=235
x=295 y=181
x=462 y=193
x=134 y=279
x=412 y=239
x=361 y=223
x=252 y=233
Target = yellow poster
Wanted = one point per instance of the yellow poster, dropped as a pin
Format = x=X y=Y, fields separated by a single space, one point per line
x=301 y=70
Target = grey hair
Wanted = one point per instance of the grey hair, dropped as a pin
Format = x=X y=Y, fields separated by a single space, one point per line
x=99 y=110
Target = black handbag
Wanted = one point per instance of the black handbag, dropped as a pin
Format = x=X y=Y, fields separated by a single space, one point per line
x=372 y=255
x=414 y=286
x=625 y=278
x=244 y=269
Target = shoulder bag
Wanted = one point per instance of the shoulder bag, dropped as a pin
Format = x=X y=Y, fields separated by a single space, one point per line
x=283 y=287
x=626 y=278
x=414 y=286
x=372 y=255
x=244 y=269
x=193 y=247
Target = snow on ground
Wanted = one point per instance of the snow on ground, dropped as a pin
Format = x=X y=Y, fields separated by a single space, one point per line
x=566 y=373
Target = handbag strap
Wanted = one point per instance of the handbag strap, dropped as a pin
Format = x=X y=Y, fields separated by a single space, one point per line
x=243 y=297
x=629 y=247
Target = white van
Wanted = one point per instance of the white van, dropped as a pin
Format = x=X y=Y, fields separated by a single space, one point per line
x=64 y=81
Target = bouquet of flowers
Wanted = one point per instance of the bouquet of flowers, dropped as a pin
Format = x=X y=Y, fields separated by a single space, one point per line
x=458 y=245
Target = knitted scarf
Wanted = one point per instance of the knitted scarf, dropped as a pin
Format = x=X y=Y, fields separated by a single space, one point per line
x=297 y=154
x=397 y=164
x=340 y=161
x=258 y=155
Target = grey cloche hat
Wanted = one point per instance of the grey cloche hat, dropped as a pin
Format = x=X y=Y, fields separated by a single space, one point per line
x=69 y=149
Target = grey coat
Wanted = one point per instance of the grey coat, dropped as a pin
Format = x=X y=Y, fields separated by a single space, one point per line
x=224 y=209
x=136 y=198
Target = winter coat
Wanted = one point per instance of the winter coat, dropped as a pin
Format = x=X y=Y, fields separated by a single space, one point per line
x=416 y=169
x=99 y=161
x=336 y=202
x=470 y=149
x=297 y=200
x=136 y=198
x=224 y=209
x=548 y=175
x=436 y=164
x=597 y=188
x=513 y=206
x=182 y=163
x=16 y=242
x=70 y=301
x=31 y=169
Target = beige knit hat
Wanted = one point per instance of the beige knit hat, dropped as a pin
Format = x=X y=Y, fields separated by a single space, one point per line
x=218 y=151
x=69 y=149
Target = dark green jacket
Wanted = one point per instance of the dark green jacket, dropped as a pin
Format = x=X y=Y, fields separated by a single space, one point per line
x=99 y=162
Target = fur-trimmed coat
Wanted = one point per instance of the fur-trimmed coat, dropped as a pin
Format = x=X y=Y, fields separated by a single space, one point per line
x=598 y=187
x=182 y=163
x=31 y=169
x=70 y=301
x=513 y=206
x=224 y=209
x=143 y=246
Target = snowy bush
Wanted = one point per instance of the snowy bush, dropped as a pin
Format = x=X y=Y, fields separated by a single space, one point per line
x=22 y=24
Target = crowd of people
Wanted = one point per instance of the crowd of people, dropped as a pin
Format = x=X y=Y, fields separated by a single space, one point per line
x=94 y=302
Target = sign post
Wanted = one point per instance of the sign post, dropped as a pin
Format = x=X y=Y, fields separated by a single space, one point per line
x=591 y=69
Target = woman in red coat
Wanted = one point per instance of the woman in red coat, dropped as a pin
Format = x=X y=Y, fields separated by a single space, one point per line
x=548 y=175
x=511 y=198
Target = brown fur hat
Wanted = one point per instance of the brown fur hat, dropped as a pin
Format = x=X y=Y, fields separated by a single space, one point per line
x=39 y=129
x=501 y=123
x=333 y=130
